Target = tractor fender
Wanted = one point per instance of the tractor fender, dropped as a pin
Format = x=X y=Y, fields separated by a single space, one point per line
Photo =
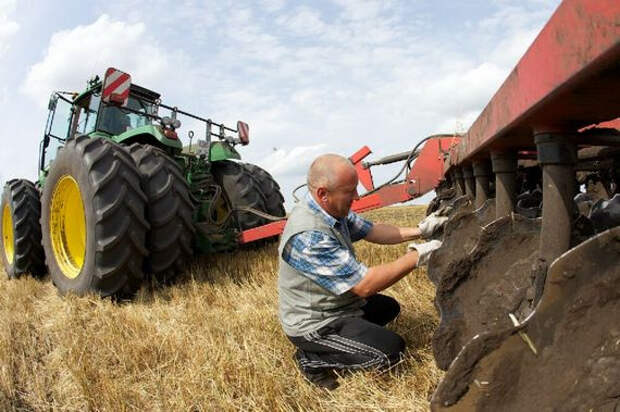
x=149 y=134
x=219 y=151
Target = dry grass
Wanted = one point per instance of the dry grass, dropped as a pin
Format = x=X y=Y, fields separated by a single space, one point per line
x=210 y=342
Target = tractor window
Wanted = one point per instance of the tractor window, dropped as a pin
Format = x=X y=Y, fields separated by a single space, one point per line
x=61 y=120
x=113 y=120
x=140 y=106
x=52 y=150
x=88 y=115
x=57 y=130
x=117 y=120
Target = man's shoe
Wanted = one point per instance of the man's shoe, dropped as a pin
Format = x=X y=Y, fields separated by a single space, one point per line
x=323 y=378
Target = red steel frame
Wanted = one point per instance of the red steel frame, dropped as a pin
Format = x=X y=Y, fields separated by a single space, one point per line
x=568 y=79
x=423 y=177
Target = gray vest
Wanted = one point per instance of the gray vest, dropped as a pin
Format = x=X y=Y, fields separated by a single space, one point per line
x=304 y=305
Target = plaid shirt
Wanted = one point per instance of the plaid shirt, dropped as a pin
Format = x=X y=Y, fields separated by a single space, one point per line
x=322 y=258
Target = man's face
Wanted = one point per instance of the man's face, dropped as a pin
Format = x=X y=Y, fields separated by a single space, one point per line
x=338 y=199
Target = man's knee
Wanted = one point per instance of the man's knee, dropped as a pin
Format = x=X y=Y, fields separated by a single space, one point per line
x=392 y=346
x=392 y=307
x=391 y=349
x=381 y=309
x=395 y=349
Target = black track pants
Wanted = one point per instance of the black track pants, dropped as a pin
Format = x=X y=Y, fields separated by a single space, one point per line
x=353 y=343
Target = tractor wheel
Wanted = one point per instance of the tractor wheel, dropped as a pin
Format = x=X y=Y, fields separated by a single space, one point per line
x=21 y=232
x=93 y=219
x=274 y=201
x=169 y=211
x=242 y=191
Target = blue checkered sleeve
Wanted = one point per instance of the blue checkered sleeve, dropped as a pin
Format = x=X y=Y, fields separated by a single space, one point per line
x=358 y=226
x=324 y=260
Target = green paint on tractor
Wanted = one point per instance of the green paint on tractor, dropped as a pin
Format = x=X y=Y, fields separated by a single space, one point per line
x=113 y=155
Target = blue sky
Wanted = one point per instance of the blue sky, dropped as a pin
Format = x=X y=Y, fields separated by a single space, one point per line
x=309 y=77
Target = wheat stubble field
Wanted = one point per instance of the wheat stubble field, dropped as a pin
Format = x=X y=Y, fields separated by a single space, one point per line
x=210 y=342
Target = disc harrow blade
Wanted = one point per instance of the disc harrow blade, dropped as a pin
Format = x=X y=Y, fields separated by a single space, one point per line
x=564 y=356
x=460 y=234
x=497 y=277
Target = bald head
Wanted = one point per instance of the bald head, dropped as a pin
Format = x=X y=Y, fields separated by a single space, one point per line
x=328 y=170
x=332 y=182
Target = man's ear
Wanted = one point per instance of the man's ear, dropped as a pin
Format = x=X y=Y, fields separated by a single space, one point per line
x=321 y=194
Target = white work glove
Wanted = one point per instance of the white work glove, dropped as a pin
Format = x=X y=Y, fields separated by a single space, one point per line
x=431 y=223
x=424 y=250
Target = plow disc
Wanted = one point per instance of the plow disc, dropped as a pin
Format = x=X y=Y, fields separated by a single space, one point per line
x=478 y=292
x=461 y=233
x=460 y=204
x=566 y=355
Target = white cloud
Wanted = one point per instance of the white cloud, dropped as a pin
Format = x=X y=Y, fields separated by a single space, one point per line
x=308 y=79
x=460 y=123
x=361 y=9
x=8 y=27
x=459 y=91
x=273 y=5
x=289 y=167
x=304 y=22
x=73 y=56
x=293 y=162
x=4 y=95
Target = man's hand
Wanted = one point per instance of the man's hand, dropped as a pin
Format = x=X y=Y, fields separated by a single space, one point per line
x=430 y=224
x=424 y=250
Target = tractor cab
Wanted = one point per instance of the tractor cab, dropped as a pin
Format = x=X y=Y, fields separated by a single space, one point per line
x=115 y=120
x=106 y=118
x=110 y=119
x=88 y=114
x=116 y=109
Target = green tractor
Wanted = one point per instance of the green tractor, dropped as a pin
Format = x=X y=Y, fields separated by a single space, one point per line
x=119 y=196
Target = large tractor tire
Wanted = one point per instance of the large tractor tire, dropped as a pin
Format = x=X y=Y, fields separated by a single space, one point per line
x=274 y=201
x=21 y=233
x=245 y=191
x=93 y=219
x=169 y=211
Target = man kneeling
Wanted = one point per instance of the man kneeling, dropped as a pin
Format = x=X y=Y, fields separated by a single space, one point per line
x=329 y=304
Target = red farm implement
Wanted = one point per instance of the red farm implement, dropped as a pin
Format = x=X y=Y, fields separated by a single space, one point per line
x=528 y=280
x=424 y=173
x=528 y=277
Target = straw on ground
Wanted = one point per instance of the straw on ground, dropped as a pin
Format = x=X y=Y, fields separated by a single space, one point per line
x=212 y=341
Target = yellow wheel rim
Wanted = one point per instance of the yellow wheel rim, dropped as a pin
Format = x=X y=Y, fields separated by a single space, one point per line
x=68 y=227
x=7 y=234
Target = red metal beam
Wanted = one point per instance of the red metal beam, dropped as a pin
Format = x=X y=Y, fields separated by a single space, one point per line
x=568 y=78
x=262 y=232
x=424 y=176
x=385 y=196
x=428 y=168
x=365 y=177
